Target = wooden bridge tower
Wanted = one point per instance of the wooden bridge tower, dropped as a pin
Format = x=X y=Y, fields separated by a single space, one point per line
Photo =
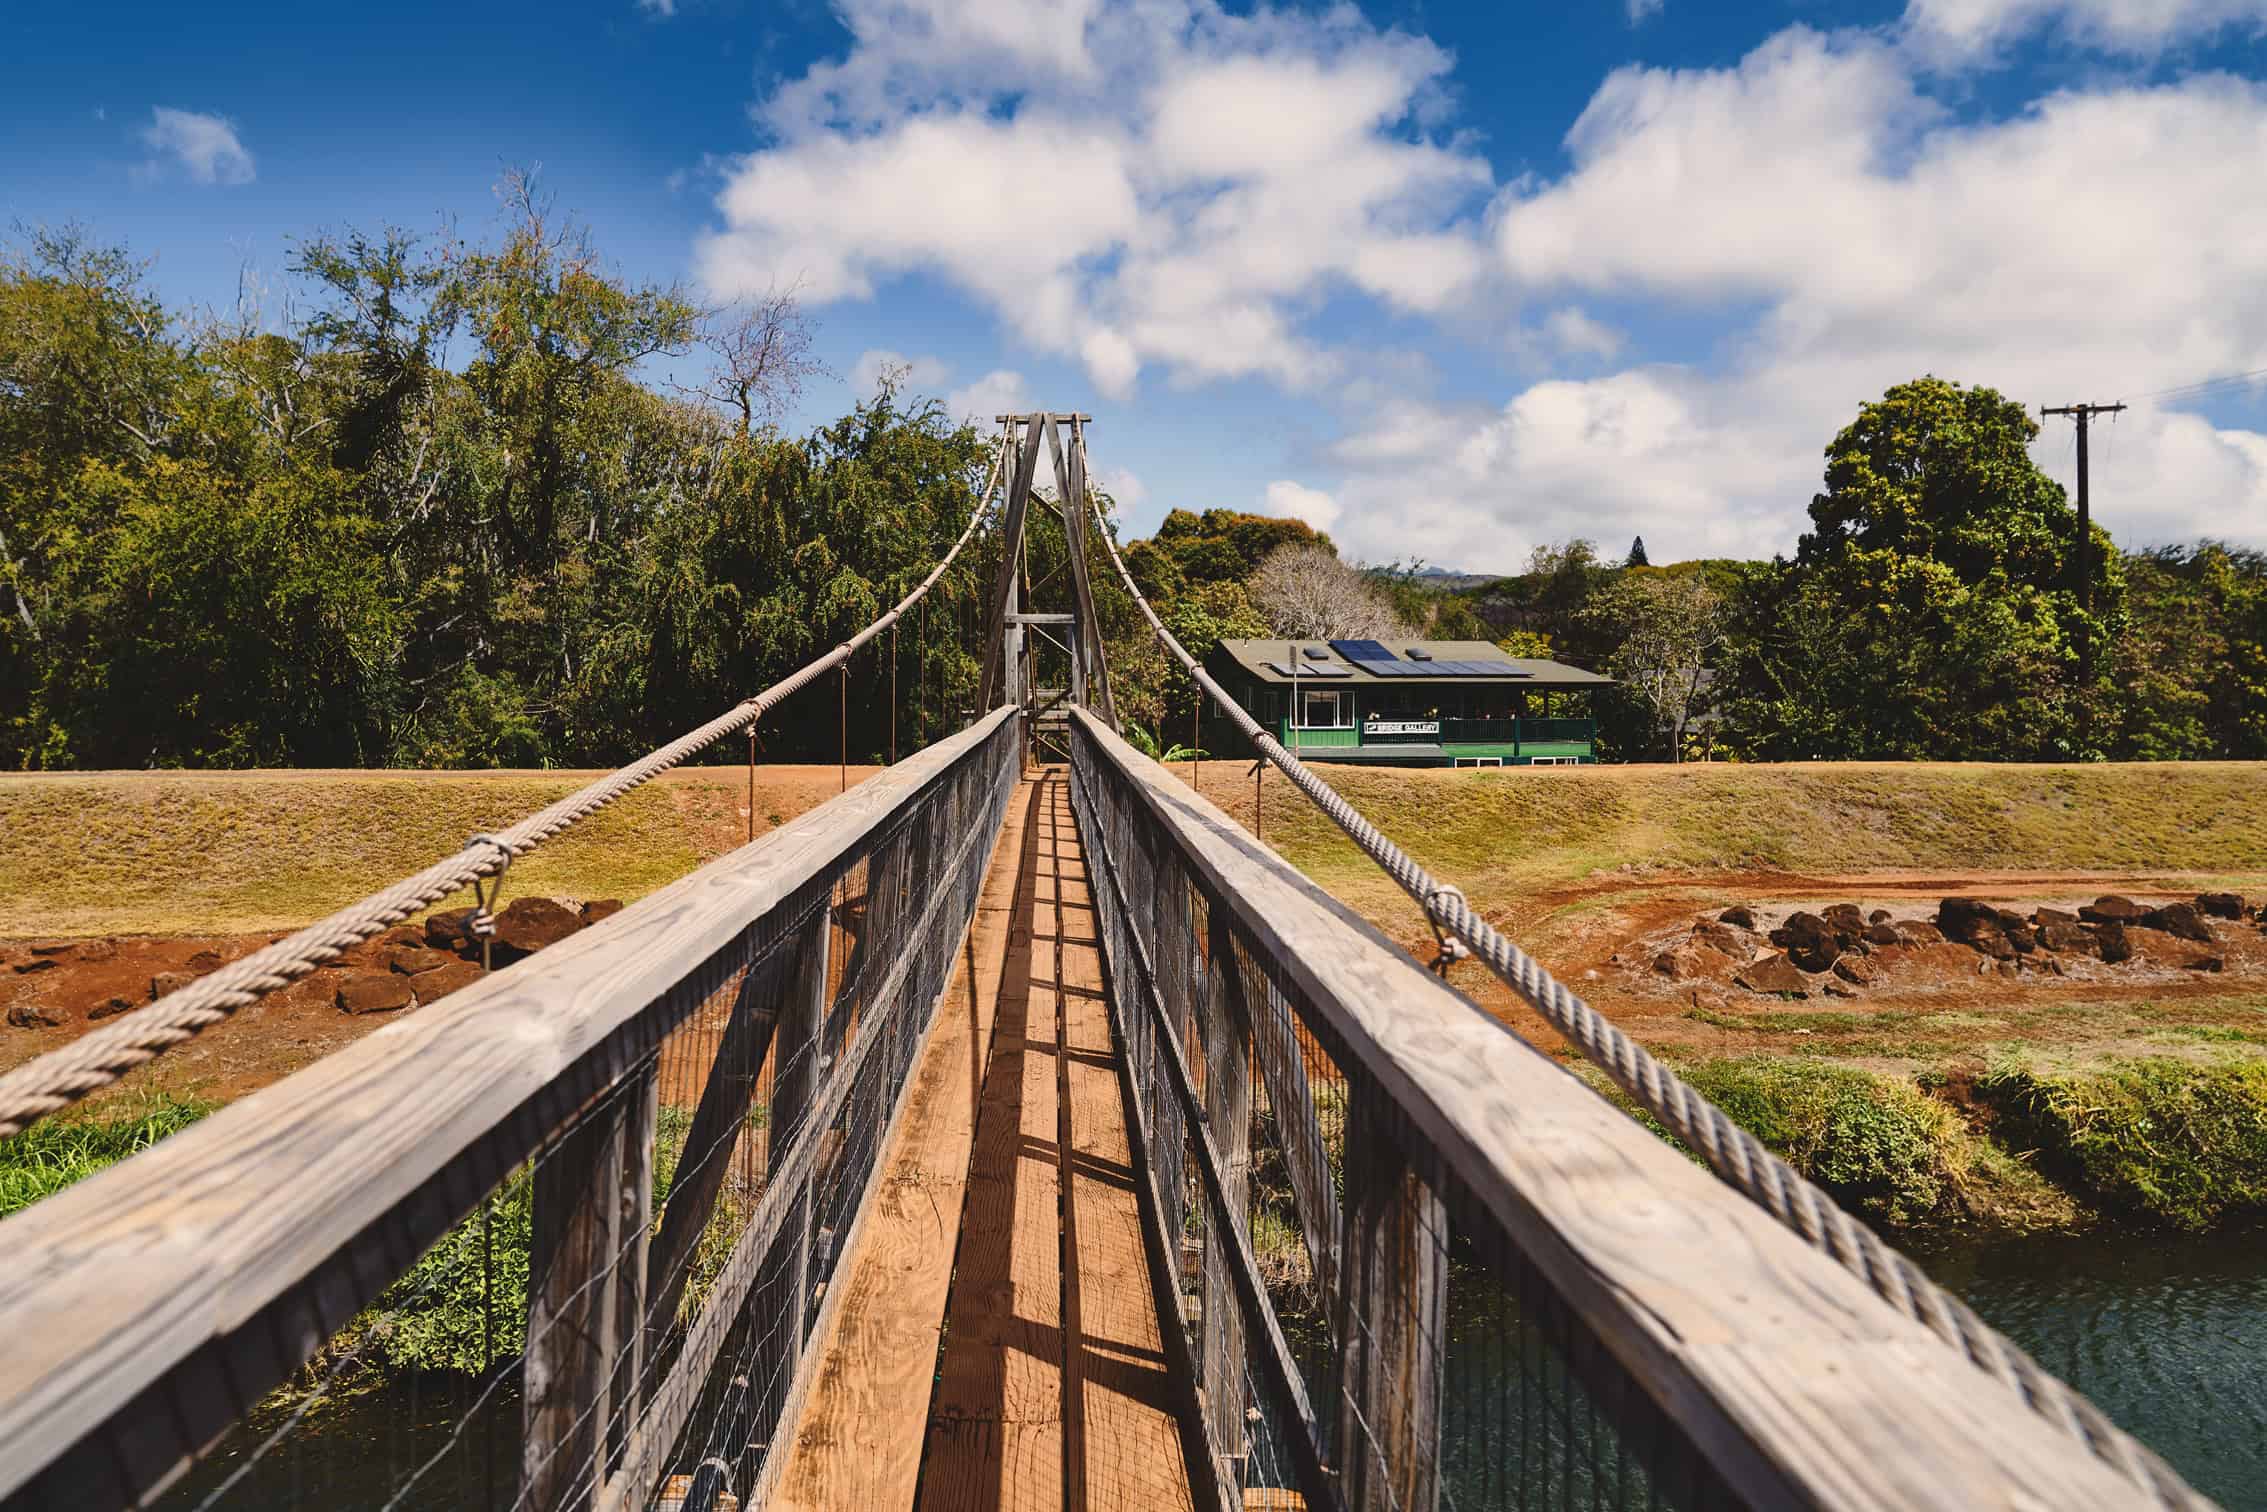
x=1045 y=659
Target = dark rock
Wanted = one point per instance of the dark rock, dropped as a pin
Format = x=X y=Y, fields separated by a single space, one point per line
x=2208 y=963
x=110 y=1007
x=1918 y=932
x=1722 y=939
x=1882 y=932
x=2220 y=905
x=52 y=948
x=2056 y=935
x=30 y=964
x=1667 y=964
x=1855 y=971
x=2180 y=920
x=1845 y=917
x=528 y=924
x=204 y=961
x=374 y=992
x=409 y=960
x=1976 y=924
x=1840 y=989
x=2021 y=936
x=98 y=950
x=168 y=982
x=2109 y=936
x=2112 y=909
x=2045 y=916
x=1878 y=916
x=1774 y=974
x=401 y=935
x=601 y=908
x=431 y=986
x=448 y=929
x=35 y=1016
x=1809 y=941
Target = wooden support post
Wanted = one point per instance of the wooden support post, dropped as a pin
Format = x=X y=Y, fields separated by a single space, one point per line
x=716 y=1130
x=1228 y=1109
x=585 y=1296
x=1392 y=1321
x=781 y=1305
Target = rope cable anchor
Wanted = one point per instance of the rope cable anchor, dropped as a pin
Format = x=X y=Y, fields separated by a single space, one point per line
x=1450 y=949
x=482 y=923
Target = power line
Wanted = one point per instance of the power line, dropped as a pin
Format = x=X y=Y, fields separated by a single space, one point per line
x=2205 y=385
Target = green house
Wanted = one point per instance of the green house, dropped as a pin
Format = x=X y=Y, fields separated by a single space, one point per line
x=1411 y=702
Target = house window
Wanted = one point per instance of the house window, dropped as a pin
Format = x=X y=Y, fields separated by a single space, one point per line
x=1319 y=709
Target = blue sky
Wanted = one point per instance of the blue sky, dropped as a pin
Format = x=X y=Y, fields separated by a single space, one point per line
x=1450 y=280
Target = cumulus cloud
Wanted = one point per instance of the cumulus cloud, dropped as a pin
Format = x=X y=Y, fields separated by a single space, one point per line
x=1640 y=10
x=1299 y=502
x=1879 y=240
x=205 y=146
x=999 y=392
x=1960 y=30
x=1127 y=183
x=1123 y=486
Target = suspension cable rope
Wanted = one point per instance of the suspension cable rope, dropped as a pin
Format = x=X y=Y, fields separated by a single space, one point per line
x=1735 y=1155
x=95 y=1060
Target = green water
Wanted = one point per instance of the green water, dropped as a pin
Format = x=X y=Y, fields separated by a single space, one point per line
x=2167 y=1334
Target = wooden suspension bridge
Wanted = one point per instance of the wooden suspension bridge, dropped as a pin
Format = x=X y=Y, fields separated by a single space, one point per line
x=1014 y=1131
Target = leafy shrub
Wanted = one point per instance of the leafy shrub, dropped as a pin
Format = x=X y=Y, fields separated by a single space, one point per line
x=2178 y=1140
x=1877 y=1144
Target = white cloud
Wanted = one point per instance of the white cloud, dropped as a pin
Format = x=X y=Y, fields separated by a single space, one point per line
x=1958 y=30
x=660 y=10
x=922 y=375
x=1577 y=334
x=1127 y=183
x=205 y=145
x=1879 y=241
x=1125 y=489
x=1299 y=502
x=1640 y=10
x=998 y=392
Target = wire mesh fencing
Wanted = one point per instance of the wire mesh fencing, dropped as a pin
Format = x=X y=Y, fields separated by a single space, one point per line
x=1360 y=1332
x=602 y=1296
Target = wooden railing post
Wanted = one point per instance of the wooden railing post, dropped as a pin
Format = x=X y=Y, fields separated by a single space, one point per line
x=783 y=1293
x=586 y=1296
x=1228 y=1109
x=1392 y=1317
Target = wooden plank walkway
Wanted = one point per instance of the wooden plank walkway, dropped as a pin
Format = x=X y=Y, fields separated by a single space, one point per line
x=1007 y=1237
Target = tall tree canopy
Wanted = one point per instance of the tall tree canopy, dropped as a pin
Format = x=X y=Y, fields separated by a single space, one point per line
x=1933 y=608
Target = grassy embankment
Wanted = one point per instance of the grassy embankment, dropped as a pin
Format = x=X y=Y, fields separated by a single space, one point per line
x=2046 y=1114
x=2029 y=1112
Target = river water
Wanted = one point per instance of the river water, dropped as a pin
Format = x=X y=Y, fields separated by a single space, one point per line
x=2167 y=1334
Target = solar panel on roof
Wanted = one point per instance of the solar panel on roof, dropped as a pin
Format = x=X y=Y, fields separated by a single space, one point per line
x=1362 y=650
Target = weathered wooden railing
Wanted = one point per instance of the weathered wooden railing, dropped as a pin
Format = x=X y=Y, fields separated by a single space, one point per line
x=1419 y=1264
x=767 y=1007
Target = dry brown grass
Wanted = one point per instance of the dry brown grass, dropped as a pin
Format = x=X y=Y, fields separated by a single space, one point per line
x=237 y=852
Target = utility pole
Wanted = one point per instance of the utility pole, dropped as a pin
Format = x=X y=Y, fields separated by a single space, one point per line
x=2083 y=413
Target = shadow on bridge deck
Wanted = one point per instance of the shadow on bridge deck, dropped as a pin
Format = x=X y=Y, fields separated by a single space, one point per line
x=997 y=1345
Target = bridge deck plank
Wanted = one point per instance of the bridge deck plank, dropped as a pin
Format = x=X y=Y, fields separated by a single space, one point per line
x=1051 y=1389
x=858 y=1442
x=995 y=1427
x=1123 y=1433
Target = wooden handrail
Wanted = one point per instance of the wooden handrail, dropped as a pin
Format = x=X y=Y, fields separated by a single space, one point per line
x=149 y=1306
x=1796 y=1383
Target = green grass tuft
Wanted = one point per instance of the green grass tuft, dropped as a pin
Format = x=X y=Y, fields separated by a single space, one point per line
x=50 y=1156
x=2164 y=1136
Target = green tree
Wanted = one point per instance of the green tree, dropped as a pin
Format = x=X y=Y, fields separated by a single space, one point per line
x=1932 y=609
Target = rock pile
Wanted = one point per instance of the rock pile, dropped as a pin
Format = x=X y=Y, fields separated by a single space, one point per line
x=1842 y=948
x=409 y=967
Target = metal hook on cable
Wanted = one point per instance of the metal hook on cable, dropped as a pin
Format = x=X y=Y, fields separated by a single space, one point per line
x=482 y=923
x=1451 y=949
